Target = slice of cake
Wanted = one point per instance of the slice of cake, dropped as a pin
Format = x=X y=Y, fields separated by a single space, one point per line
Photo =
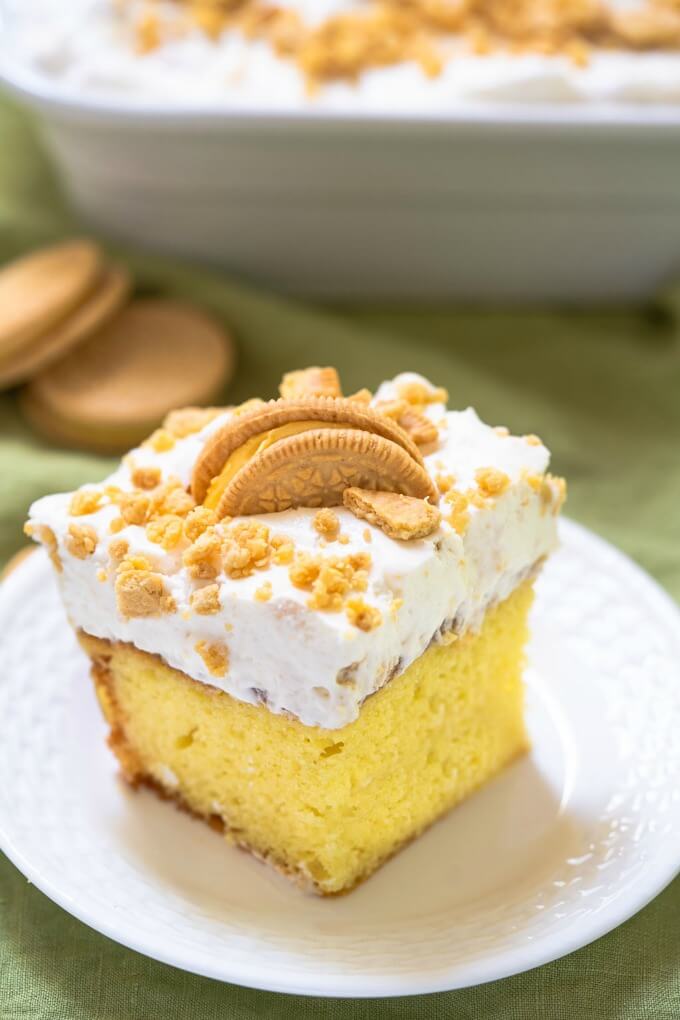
x=306 y=617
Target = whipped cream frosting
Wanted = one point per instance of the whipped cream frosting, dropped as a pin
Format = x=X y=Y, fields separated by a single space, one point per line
x=315 y=664
x=86 y=47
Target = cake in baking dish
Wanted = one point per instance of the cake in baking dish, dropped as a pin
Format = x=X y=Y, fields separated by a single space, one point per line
x=307 y=617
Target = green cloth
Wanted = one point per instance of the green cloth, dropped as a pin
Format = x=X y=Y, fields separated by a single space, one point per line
x=602 y=388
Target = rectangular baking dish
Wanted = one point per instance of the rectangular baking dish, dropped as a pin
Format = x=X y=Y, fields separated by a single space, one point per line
x=504 y=203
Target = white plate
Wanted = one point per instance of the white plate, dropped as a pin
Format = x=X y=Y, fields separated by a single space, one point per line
x=558 y=850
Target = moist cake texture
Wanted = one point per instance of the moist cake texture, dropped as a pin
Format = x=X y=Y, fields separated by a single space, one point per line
x=323 y=680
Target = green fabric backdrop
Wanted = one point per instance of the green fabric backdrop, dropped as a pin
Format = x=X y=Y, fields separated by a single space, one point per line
x=602 y=388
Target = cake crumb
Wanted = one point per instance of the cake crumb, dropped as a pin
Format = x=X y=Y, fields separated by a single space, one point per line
x=368 y=537
x=81 y=541
x=502 y=430
x=215 y=655
x=363 y=616
x=533 y=440
x=145 y=477
x=343 y=539
x=87 y=501
x=206 y=601
x=491 y=481
x=264 y=592
x=102 y=575
x=327 y=523
x=117 y=524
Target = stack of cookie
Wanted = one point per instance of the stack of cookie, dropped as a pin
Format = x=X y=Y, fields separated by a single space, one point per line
x=99 y=369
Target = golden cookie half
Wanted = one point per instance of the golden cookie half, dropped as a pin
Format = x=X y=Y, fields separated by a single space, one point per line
x=399 y=516
x=314 y=468
x=40 y=289
x=111 y=290
x=228 y=450
x=155 y=355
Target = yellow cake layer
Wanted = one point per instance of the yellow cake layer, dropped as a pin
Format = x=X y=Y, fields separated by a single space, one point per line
x=326 y=806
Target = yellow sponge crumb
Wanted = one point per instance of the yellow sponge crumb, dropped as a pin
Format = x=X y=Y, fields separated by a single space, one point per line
x=326 y=807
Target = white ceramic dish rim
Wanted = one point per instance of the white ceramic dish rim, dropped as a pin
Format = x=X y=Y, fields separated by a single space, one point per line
x=67 y=103
x=524 y=958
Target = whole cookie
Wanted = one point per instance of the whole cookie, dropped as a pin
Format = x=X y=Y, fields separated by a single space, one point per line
x=157 y=354
x=110 y=291
x=40 y=289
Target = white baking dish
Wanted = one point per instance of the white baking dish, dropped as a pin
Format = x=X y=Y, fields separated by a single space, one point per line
x=559 y=203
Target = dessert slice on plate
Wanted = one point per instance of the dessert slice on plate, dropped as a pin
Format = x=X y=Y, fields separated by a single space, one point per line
x=306 y=617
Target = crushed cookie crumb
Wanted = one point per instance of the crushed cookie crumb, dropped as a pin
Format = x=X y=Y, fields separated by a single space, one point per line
x=502 y=430
x=148 y=33
x=140 y=591
x=361 y=615
x=264 y=592
x=459 y=517
x=145 y=477
x=246 y=548
x=117 y=524
x=444 y=482
x=367 y=536
x=532 y=440
x=134 y=507
x=186 y=421
x=342 y=46
x=206 y=601
x=419 y=395
x=491 y=481
x=102 y=575
x=215 y=655
x=283 y=550
x=87 y=501
x=171 y=498
x=118 y=549
x=343 y=539
x=166 y=531
x=81 y=540
x=160 y=441
x=203 y=559
x=327 y=523
x=198 y=521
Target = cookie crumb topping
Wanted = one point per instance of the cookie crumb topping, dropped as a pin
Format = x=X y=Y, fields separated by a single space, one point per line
x=361 y=615
x=215 y=655
x=326 y=522
x=85 y=501
x=81 y=540
x=206 y=601
x=491 y=481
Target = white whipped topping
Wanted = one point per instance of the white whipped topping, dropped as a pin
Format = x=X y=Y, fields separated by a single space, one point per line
x=314 y=664
x=87 y=47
